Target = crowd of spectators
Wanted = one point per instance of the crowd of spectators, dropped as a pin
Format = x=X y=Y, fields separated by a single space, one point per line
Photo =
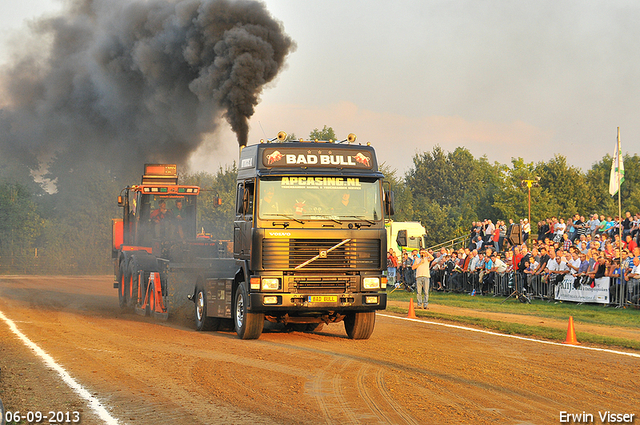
x=586 y=249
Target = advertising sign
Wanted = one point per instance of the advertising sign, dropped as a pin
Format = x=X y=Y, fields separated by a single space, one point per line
x=567 y=291
x=282 y=156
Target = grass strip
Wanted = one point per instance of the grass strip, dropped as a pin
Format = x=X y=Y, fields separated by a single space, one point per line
x=508 y=328
x=586 y=313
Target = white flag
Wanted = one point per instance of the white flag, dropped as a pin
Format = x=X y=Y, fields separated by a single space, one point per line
x=617 y=170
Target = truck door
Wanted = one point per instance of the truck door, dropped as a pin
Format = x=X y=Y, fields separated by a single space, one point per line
x=243 y=223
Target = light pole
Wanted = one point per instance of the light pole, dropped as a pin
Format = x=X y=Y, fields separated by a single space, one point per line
x=529 y=183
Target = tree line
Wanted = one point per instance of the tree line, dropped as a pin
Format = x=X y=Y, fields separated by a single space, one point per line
x=69 y=231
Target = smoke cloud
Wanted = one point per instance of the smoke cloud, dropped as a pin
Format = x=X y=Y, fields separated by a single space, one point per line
x=137 y=81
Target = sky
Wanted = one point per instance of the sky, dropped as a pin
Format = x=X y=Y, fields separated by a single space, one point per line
x=504 y=79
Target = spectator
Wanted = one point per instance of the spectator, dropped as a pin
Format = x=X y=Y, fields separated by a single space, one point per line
x=570 y=231
x=488 y=230
x=615 y=283
x=574 y=263
x=421 y=268
x=543 y=228
x=473 y=264
x=407 y=262
x=468 y=259
x=627 y=223
x=486 y=278
x=496 y=237
x=593 y=224
x=558 y=229
x=392 y=265
x=583 y=269
x=401 y=266
x=526 y=230
x=633 y=280
x=581 y=227
x=566 y=242
x=453 y=273
x=542 y=263
x=635 y=227
x=503 y=234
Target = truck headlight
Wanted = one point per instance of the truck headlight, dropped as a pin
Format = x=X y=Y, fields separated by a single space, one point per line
x=371 y=283
x=270 y=283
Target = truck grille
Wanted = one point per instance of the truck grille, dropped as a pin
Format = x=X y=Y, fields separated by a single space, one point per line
x=285 y=254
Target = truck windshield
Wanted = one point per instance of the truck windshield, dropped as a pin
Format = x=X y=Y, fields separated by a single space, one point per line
x=320 y=198
x=167 y=217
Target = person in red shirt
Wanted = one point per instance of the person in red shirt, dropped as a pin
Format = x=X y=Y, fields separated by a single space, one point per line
x=496 y=238
x=629 y=243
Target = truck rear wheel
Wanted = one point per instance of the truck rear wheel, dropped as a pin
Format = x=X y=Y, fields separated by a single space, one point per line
x=123 y=284
x=134 y=272
x=204 y=323
x=360 y=325
x=248 y=325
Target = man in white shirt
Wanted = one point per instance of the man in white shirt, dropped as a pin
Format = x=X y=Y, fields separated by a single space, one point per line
x=573 y=261
x=423 y=275
x=553 y=267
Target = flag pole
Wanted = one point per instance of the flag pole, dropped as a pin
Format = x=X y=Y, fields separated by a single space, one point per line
x=619 y=196
x=620 y=295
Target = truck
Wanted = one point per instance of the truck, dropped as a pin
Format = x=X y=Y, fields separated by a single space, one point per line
x=309 y=245
x=156 y=250
x=407 y=235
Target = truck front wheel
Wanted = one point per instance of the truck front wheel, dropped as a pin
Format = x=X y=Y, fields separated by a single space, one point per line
x=248 y=325
x=360 y=325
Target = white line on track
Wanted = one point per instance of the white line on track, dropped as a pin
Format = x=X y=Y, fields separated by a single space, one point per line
x=94 y=403
x=540 y=341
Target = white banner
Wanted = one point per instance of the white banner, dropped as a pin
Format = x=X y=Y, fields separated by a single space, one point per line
x=566 y=291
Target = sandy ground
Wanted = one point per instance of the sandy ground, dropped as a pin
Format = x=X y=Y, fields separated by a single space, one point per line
x=408 y=372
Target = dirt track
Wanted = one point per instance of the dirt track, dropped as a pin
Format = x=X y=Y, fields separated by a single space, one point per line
x=146 y=372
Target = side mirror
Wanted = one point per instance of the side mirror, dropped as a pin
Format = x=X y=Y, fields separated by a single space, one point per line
x=389 y=203
x=120 y=201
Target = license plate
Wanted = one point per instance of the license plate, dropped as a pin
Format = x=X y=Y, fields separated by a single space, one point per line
x=323 y=298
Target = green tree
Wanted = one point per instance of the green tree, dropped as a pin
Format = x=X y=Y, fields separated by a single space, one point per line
x=77 y=238
x=326 y=133
x=20 y=223
x=403 y=197
x=450 y=190
x=567 y=187
x=512 y=200
x=597 y=179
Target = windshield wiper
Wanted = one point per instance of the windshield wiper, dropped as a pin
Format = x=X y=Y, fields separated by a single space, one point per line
x=290 y=217
x=359 y=217
x=328 y=217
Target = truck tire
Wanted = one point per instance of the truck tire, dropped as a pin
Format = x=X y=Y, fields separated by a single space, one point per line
x=204 y=323
x=248 y=325
x=360 y=325
x=151 y=305
x=134 y=272
x=123 y=284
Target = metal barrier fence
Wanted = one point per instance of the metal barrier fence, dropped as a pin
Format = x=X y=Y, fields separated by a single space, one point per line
x=543 y=287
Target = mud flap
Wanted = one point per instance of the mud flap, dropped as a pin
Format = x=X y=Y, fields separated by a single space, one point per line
x=153 y=304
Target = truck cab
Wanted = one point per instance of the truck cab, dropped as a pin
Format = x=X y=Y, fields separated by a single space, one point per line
x=309 y=235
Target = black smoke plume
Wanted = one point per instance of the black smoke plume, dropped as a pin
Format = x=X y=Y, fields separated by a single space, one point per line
x=137 y=81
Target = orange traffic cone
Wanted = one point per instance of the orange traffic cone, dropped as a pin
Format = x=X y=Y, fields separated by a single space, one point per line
x=571 y=334
x=412 y=313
